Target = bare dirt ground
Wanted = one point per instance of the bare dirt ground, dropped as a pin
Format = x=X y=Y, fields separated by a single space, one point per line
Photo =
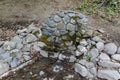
x=15 y=14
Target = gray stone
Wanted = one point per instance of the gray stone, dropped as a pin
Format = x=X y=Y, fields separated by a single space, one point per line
x=80 y=69
x=14 y=63
x=71 y=14
x=61 y=57
x=5 y=55
x=57 y=18
x=30 y=38
x=97 y=39
x=26 y=48
x=83 y=42
x=18 y=41
x=108 y=64
x=110 y=48
x=66 y=19
x=9 y=45
x=40 y=44
x=118 y=50
x=116 y=57
x=71 y=27
x=61 y=14
x=72 y=58
x=57 y=68
x=94 y=53
x=82 y=49
x=104 y=56
x=73 y=21
x=101 y=30
x=1 y=51
x=4 y=67
x=44 y=53
x=100 y=46
x=109 y=74
x=93 y=71
x=78 y=53
x=16 y=53
x=51 y=23
x=22 y=31
x=61 y=26
x=26 y=57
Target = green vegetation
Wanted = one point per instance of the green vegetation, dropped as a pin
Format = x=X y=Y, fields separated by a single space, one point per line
x=107 y=9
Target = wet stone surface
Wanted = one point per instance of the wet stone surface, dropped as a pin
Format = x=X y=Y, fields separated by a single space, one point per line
x=63 y=50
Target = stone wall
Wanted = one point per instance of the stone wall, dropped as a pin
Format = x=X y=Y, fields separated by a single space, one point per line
x=68 y=37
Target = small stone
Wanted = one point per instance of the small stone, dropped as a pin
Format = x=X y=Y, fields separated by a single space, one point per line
x=44 y=53
x=80 y=69
x=110 y=48
x=9 y=45
x=83 y=42
x=26 y=57
x=100 y=46
x=51 y=23
x=93 y=71
x=82 y=49
x=61 y=14
x=72 y=58
x=109 y=74
x=71 y=27
x=118 y=50
x=4 y=67
x=116 y=57
x=41 y=73
x=78 y=53
x=57 y=68
x=30 y=38
x=108 y=64
x=26 y=47
x=104 y=56
x=40 y=44
x=101 y=30
x=57 y=18
x=66 y=19
x=61 y=26
x=61 y=57
x=97 y=39
x=94 y=53
x=22 y=31
x=14 y=63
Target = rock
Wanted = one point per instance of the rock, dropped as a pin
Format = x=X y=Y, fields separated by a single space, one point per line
x=61 y=14
x=118 y=50
x=18 y=41
x=72 y=58
x=110 y=48
x=61 y=26
x=26 y=47
x=22 y=31
x=14 y=63
x=101 y=30
x=30 y=38
x=41 y=73
x=71 y=27
x=16 y=53
x=104 y=56
x=97 y=39
x=9 y=45
x=5 y=55
x=57 y=18
x=43 y=53
x=116 y=57
x=26 y=57
x=61 y=57
x=4 y=67
x=93 y=71
x=78 y=53
x=82 y=49
x=94 y=53
x=40 y=44
x=108 y=64
x=57 y=68
x=66 y=19
x=80 y=69
x=1 y=51
x=100 y=46
x=83 y=42
x=109 y=74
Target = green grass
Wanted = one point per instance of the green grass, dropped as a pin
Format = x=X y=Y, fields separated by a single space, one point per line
x=109 y=9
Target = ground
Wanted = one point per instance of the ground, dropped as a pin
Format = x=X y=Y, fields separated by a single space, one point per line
x=15 y=14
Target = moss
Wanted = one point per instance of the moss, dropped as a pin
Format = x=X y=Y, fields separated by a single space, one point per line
x=35 y=33
x=44 y=39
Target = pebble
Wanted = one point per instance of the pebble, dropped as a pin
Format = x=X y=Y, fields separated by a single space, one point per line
x=83 y=42
x=100 y=46
x=57 y=18
x=30 y=38
x=9 y=45
x=80 y=69
x=104 y=56
x=110 y=48
x=97 y=39
x=118 y=50
x=116 y=57
x=108 y=74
